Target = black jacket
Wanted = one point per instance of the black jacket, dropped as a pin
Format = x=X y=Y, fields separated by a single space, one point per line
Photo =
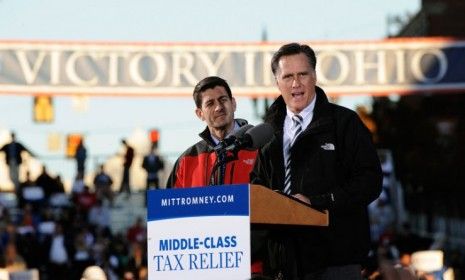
x=334 y=163
x=18 y=148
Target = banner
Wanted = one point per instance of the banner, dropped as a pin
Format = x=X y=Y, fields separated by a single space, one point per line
x=384 y=67
x=199 y=233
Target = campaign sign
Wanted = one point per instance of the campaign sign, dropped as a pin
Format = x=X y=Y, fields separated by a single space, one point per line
x=199 y=233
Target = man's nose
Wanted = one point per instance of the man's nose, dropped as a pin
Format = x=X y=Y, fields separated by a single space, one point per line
x=219 y=106
x=296 y=81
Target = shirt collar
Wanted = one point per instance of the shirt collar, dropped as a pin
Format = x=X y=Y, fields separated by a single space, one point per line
x=216 y=140
x=305 y=112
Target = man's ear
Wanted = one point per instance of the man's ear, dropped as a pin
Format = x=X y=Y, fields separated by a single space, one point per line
x=199 y=114
x=233 y=100
x=276 y=80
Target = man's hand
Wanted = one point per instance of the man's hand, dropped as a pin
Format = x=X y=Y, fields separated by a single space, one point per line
x=302 y=198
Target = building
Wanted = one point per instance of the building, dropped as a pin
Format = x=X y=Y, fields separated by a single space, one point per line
x=426 y=133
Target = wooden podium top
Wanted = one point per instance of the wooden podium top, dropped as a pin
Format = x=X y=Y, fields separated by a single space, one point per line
x=270 y=207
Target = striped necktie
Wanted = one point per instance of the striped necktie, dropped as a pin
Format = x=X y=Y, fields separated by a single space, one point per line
x=297 y=128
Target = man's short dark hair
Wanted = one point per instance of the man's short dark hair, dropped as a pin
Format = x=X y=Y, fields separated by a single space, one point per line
x=291 y=49
x=209 y=83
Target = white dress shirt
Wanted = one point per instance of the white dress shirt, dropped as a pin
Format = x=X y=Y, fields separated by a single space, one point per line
x=289 y=129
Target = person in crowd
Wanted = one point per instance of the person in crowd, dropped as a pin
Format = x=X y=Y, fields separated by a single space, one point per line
x=128 y=158
x=323 y=155
x=82 y=257
x=138 y=259
x=59 y=186
x=9 y=234
x=129 y=275
x=13 y=158
x=118 y=254
x=103 y=183
x=26 y=183
x=28 y=218
x=99 y=216
x=46 y=182
x=59 y=253
x=30 y=249
x=381 y=218
x=78 y=186
x=215 y=105
x=93 y=272
x=86 y=200
x=404 y=267
x=81 y=157
x=137 y=231
x=143 y=273
x=13 y=261
x=202 y=164
x=153 y=163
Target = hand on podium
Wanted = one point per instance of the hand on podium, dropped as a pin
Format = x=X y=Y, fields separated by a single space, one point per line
x=302 y=198
x=297 y=197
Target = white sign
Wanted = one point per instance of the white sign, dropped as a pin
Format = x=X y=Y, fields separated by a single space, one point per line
x=199 y=233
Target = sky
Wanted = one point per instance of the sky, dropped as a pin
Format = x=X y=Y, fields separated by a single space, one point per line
x=107 y=120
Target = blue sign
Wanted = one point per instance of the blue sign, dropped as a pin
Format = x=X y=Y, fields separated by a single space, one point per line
x=199 y=233
x=229 y=200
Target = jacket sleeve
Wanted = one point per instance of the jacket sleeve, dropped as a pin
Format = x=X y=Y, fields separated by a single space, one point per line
x=161 y=161
x=360 y=175
x=144 y=163
x=23 y=148
x=259 y=174
x=173 y=179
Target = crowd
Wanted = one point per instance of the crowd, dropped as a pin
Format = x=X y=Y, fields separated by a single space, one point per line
x=60 y=234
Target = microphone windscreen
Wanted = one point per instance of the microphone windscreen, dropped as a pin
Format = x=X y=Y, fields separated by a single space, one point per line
x=260 y=135
x=229 y=141
x=242 y=130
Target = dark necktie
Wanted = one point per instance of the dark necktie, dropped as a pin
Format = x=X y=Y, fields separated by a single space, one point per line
x=297 y=128
x=222 y=168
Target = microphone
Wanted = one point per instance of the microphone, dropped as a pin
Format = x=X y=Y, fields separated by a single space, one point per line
x=253 y=137
x=256 y=137
x=228 y=141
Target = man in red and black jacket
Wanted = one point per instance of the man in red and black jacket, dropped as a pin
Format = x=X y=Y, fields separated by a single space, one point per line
x=215 y=106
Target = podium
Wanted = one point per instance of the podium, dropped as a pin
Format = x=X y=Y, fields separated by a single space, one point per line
x=270 y=207
x=204 y=232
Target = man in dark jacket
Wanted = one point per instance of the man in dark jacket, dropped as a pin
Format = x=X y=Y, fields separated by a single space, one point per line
x=128 y=158
x=321 y=154
x=13 y=158
x=153 y=163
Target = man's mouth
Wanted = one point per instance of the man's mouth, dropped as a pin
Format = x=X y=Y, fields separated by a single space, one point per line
x=297 y=94
x=220 y=116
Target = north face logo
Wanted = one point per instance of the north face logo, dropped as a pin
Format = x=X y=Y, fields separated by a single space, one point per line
x=249 y=161
x=328 y=147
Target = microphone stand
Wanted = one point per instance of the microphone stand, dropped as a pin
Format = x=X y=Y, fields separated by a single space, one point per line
x=222 y=157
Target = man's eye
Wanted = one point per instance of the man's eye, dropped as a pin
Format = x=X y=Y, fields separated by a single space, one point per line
x=287 y=78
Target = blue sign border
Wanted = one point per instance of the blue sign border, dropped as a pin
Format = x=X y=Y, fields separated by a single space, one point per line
x=230 y=200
